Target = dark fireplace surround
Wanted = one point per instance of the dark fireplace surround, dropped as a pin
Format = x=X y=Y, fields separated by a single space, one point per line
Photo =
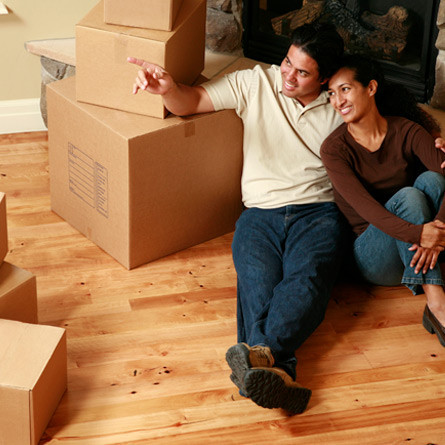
x=414 y=68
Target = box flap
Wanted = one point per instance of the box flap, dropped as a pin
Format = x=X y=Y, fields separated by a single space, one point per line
x=3 y=228
x=95 y=19
x=24 y=352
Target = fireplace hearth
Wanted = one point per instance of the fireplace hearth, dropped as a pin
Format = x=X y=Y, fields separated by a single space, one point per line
x=399 y=35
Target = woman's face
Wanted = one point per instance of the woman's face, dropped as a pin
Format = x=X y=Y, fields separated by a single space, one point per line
x=349 y=97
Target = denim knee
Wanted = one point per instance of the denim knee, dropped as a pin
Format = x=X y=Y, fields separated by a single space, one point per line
x=429 y=178
x=410 y=204
x=432 y=184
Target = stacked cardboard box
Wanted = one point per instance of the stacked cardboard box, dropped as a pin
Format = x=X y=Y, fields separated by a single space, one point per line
x=104 y=77
x=33 y=358
x=33 y=376
x=149 y=14
x=140 y=187
x=18 y=294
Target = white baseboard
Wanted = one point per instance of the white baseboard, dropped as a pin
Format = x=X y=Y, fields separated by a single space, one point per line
x=18 y=116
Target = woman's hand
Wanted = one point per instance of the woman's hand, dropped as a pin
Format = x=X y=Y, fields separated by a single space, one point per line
x=440 y=144
x=424 y=258
x=433 y=235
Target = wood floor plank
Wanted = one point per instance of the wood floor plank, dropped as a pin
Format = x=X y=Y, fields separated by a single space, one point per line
x=146 y=347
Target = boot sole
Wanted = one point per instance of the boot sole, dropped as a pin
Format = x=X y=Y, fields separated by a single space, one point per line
x=237 y=357
x=269 y=390
x=239 y=384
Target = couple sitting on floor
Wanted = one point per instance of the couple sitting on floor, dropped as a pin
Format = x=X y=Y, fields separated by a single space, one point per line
x=291 y=238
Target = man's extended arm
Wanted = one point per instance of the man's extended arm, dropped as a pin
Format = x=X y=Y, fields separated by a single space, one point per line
x=179 y=99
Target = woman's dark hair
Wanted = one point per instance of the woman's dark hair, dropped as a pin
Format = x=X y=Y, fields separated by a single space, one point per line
x=322 y=42
x=391 y=99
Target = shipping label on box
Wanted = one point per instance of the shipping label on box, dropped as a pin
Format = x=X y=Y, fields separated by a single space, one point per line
x=18 y=294
x=105 y=78
x=150 y=14
x=88 y=179
x=33 y=378
x=140 y=187
x=3 y=228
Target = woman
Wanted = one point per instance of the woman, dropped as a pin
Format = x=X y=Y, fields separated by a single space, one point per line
x=373 y=161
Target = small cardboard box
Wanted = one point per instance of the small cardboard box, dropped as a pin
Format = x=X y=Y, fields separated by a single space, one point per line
x=140 y=187
x=33 y=378
x=150 y=14
x=18 y=294
x=104 y=77
x=3 y=228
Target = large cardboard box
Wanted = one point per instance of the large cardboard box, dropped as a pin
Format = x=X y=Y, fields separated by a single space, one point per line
x=33 y=378
x=3 y=228
x=18 y=294
x=140 y=187
x=151 y=14
x=104 y=77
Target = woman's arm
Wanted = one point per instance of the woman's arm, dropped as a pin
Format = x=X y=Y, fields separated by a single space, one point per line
x=425 y=149
x=339 y=166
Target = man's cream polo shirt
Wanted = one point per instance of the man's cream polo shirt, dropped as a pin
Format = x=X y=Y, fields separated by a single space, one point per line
x=282 y=139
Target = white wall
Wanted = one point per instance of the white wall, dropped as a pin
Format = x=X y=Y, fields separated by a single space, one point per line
x=32 y=20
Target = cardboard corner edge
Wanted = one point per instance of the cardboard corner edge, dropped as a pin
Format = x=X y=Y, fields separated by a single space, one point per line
x=50 y=389
x=3 y=228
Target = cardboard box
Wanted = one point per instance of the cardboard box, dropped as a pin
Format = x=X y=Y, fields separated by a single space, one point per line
x=3 y=228
x=33 y=378
x=150 y=14
x=104 y=77
x=18 y=294
x=140 y=187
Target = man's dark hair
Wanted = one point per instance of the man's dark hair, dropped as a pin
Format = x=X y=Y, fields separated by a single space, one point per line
x=323 y=43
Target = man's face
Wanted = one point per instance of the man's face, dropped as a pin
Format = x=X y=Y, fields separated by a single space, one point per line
x=300 y=76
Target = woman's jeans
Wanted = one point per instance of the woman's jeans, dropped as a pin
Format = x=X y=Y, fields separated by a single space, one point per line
x=287 y=261
x=384 y=260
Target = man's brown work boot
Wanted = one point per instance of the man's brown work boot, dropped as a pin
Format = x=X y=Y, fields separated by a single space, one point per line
x=241 y=357
x=274 y=388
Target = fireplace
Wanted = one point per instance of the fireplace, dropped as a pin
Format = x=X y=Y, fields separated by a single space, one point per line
x=408 y=58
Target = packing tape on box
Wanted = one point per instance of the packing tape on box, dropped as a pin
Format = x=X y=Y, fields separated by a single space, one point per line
x=120 y=48
x=189 y=129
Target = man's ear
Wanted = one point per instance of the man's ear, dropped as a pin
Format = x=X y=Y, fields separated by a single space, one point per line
x=372 y=87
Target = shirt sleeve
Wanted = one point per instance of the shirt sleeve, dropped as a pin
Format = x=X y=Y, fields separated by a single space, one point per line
x=232 y=91
x=220 y=94
x=347 y=184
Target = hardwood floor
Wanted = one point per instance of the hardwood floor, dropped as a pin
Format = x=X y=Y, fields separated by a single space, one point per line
x=146 y=347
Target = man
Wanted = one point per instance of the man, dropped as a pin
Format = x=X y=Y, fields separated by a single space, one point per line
x=288 y=242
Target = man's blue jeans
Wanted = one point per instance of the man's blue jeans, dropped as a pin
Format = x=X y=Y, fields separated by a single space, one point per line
x=384 y=260
x=287 y=261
